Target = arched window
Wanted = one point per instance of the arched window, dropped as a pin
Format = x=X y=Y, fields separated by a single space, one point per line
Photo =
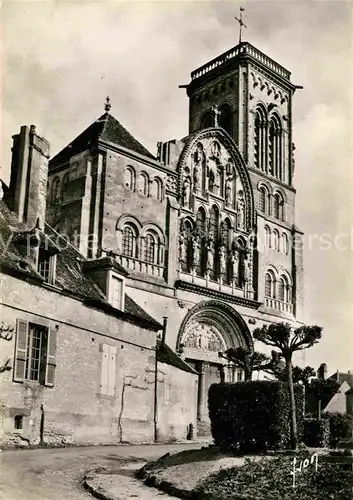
x=270 y=285
x=207 y=120
x=129 y=241
x=201 y=232
x=226 y=118
x=55 y=190
x=275 y=236
x=275 y=147
x=156 y=189
x=284 y=243
x=241 y=251
x=143 y=184
x=130 y=178
x=262 y=199
x=260 y=139
x=150 y=248
x=267 y=237
x=63 y=185
x=278 y=206
x=214 y=223
x=284 y=289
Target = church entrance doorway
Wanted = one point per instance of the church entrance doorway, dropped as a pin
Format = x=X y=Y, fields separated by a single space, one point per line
x=209 y=328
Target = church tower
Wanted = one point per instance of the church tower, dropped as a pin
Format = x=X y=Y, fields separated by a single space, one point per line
x=252 y=95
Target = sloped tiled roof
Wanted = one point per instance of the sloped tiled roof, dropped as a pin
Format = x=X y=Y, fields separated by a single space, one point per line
x=70 y=278
x=166 y=355
x=341 y=377
x=105 y=128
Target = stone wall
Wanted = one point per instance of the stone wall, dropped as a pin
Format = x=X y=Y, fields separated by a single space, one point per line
x=177 y=402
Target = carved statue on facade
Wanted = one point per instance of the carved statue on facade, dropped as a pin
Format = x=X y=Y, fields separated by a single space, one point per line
x=215 y=150
x=182 y=248
x=186 y=193
x=196 y=252
x=222 y=260
x=228 y=190
x=210 y=255
x=235 y=264
x=241 y=211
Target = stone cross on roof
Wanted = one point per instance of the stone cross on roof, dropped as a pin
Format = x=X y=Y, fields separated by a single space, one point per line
x=216 y=112
x=240 y=21
x=107 y=105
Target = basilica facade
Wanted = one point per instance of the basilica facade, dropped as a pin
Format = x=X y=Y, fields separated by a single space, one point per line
x=205 y=230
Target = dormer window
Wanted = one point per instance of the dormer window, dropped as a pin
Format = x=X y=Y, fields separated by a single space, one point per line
x=116 y=290
x=46 y=265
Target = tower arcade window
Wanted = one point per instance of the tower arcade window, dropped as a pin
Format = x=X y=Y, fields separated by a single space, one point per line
x=270 y=285
x=260 y=139
x=278 y=206
x=207 y=120
x=129 y=242
x=226 y=118
x=150 y=249
x=275 y=147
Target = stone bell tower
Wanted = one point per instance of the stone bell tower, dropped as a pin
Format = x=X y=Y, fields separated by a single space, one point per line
x=253 y=96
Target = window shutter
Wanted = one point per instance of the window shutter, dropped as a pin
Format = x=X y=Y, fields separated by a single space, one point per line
x=20 y=351
x=104 y=373
x=112 y=370
x=51 y=358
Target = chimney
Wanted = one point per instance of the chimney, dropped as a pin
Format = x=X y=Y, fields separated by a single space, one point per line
x=29 y=176
x=322 y=372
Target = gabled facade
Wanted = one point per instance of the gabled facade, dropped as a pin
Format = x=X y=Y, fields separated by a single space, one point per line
x=206 y=230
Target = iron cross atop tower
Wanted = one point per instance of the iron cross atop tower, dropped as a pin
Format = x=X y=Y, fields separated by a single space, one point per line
x=240 y=21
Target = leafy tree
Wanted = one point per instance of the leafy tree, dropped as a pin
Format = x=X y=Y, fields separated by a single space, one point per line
x=248 y=361
x=288 y=340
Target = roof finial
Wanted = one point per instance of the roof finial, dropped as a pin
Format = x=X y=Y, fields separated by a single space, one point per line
x=240 y=21
x=216 y=112
x=107 y=105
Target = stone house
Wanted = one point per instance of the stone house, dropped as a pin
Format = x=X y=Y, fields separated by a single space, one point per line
x=78 y=354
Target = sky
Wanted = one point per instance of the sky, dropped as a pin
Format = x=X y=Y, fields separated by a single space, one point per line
x=61 y=59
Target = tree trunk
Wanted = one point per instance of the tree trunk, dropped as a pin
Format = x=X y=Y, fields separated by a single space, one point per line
x=294 y=433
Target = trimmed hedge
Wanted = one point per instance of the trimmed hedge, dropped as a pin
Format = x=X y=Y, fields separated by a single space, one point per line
x=253 y=416
x=316 y=433
x=341 y=427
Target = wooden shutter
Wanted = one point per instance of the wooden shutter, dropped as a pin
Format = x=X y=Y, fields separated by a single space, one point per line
x=104 y=373
x=51 y=358
x=20 y=350
x=112 y=370
x=108 y=373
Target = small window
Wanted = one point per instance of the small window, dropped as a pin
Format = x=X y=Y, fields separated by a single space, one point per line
x=46 y=265
x=18 y=422
x=130 y=178
x=116 y=292
x=284 y=243
x=35 y=353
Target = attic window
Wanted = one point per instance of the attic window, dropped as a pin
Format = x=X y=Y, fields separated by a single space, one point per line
x=46 y=265
x=116 y=292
